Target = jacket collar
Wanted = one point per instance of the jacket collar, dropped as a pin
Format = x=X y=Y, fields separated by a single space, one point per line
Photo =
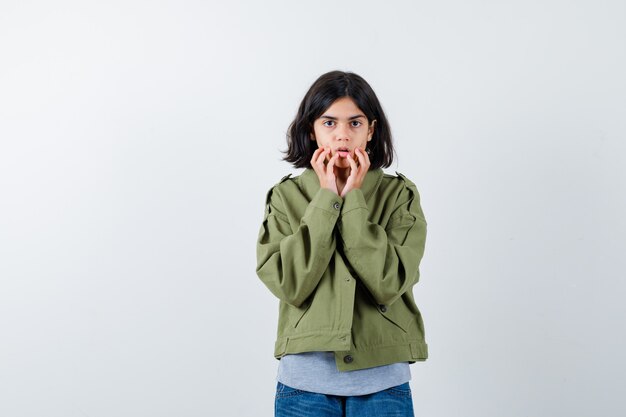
x=311 y=183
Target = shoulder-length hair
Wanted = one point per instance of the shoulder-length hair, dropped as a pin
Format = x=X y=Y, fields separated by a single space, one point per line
x=322 y=94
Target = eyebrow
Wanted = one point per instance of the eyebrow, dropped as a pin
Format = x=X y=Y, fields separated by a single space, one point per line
x=357 y=116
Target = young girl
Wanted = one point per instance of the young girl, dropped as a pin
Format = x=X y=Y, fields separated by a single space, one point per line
x=340 y=246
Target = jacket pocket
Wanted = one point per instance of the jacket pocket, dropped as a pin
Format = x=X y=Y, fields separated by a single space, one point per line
x=392 y=315
x=395 y=313
x=302 y=313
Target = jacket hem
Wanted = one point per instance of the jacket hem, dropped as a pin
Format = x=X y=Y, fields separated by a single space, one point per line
x=339 y=343
x=313 y=342
x=410 y=352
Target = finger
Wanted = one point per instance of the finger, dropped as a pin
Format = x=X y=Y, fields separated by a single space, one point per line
x=359 y=155
x=353 y=166
x=317 y=152
x=315 y=155
x=331 y=164
x=333 y=158
x=323 y=158
x=367 y=158
x=363 y=158
x=318 y=156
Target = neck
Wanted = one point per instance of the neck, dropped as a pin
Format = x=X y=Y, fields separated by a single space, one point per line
x=342 y=174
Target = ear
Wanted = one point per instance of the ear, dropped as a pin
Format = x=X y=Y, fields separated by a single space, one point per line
x=370 y=130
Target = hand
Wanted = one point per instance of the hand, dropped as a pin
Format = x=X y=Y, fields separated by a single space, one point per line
x=357 y=173
x=325 y=170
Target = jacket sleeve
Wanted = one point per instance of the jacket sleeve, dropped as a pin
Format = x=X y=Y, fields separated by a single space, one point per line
x=385 y=259
x=291 y=262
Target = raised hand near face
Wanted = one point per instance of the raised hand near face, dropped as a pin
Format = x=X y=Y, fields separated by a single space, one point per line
x=357 y=173
x=325 y=170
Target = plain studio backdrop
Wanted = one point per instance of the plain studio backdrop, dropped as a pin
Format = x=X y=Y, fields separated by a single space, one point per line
x=138 y=140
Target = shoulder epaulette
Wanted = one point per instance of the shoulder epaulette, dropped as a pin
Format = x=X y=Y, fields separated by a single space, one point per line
x=404 y=178
x=268 y=196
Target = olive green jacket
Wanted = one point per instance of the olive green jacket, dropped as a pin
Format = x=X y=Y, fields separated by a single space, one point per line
x=344 y=268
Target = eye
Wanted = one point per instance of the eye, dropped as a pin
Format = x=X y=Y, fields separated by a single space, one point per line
x=329 y=123
x=356 y=123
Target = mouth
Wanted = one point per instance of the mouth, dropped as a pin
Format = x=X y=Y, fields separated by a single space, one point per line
x=343 y=152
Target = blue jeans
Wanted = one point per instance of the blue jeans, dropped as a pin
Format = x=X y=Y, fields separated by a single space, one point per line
x=394 y=401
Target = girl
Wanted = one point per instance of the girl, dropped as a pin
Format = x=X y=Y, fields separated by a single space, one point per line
x=340 y=246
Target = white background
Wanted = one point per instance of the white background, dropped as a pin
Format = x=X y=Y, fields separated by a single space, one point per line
x=138 y=140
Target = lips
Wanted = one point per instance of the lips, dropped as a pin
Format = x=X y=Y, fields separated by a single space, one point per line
x=343 y=152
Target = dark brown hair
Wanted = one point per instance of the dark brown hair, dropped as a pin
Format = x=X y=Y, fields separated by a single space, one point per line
x=322 y=94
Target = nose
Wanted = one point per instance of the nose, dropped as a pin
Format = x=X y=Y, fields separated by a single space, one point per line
x=342 y=132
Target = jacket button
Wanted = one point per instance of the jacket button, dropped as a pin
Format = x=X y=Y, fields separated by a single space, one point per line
x=348 y=359
x=382 y=307
x=336 y=205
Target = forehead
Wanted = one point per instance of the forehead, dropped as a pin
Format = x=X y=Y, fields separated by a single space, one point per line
x=343 y=107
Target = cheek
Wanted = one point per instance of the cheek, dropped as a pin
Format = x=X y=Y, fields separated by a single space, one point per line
x=318 y=136
x=321 y=140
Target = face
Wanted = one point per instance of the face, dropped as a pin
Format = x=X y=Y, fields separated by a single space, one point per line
x=343 y=127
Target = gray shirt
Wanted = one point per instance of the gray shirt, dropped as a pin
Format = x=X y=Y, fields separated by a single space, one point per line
x=317 y=372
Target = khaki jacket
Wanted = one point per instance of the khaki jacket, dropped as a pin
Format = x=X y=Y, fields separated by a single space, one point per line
x=344 y=268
